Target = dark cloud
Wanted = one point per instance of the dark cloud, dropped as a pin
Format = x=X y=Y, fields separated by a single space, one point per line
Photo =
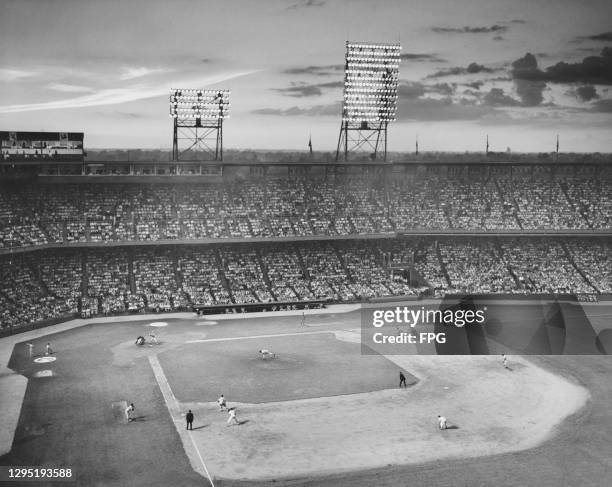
x=498 y=38
x=605 y=36
x=304 y=90
x=316 y=70
x=497 y=98
x=586 y=93
x=306 y=4
x=443 y=88
x=471 y=69
x=316 y=111
x=530 y=92
x=591 y=70
x=603 y=106
x=410 y=89
x=470 y=30
x=518 y=21
x=409 y=56
x=528 y=80
x=475 y=84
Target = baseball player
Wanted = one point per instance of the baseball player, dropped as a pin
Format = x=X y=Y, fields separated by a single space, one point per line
x=505 y=361
x=442 y=422
x=222 y=403
x=128 y=412
x=231 y=416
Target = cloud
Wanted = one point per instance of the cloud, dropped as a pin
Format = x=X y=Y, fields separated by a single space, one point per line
x=475 y=84
x=306 y=4
x=443 y=88
x=316 y=70
x=114 y=96
x=530 y=92
x=605 y=36
x=304 y=90
x=528 y=81
x=410 y=56
x=118 y=114
x=429 y=109
x=315 y=111
x=410 y=89
x=472 y=68
x=591 y=70
x=602 y=106
x=138 y=72
x=68 y=88
x=470 y=30
x=497 y=98
x=11 y=74
x=586 y=93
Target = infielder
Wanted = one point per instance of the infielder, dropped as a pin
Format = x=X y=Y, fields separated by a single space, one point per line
x=442 y=422
x=222 y=403
x=231 y=416
x=128 y=412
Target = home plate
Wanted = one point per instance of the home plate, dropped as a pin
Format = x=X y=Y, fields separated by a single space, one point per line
x=158 y=324
x=43 y=373
x=44 y=360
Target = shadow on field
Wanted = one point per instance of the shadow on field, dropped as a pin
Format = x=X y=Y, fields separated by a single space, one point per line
x=200 y=427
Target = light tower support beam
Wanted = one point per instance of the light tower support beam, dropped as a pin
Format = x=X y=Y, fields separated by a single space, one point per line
x=198 y=124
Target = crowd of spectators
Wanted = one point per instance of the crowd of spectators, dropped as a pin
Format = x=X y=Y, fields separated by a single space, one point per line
x=58 y=283
x=33 y=214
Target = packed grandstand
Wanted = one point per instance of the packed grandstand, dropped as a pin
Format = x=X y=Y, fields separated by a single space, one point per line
x=86 y=249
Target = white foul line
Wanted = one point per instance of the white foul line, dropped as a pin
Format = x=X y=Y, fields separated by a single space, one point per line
x=174 y=408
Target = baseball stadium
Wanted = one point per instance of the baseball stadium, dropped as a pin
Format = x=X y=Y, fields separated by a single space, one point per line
x=212 y=316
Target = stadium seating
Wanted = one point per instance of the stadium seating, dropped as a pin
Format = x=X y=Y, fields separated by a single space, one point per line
x=56 y=283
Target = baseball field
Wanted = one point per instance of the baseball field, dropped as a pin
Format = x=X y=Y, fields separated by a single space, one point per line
x=318 y=413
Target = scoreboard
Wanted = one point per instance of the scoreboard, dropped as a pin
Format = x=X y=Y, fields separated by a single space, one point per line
x=41 y=145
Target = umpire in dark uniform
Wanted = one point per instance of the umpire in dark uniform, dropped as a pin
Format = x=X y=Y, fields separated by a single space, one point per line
x=402 y=379
x=189 y=418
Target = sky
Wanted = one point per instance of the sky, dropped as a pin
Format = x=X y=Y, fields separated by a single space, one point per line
x=519 y=71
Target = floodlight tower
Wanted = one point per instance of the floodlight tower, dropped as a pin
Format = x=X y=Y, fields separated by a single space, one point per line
x=198 y=123
x=370 y=97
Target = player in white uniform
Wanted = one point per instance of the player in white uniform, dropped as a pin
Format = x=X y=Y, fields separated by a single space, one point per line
x=265 y=353
x=442 y=422
x=505 y=361
x=221 y=402
x=128 y=412
x=231 y=416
